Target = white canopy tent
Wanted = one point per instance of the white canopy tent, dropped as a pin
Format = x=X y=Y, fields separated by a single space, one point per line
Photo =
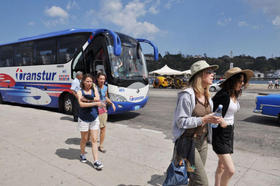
x=186 y=72
x=166 y=71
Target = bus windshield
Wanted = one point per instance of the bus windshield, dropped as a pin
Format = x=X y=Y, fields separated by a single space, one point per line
x=130 y=65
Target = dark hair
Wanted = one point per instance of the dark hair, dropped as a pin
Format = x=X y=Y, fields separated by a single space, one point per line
x=229 y=84
x=101 y=74
x=83 y=80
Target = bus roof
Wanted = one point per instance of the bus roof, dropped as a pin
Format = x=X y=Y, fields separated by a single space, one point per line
x=52 y=34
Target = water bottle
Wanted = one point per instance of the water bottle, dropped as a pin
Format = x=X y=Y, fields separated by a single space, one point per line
x=218 y=113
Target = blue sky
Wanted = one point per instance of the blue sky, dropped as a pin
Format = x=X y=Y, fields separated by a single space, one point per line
x=192 y=27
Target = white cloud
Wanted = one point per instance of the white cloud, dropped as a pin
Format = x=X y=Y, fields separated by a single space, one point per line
x=256 y=27
x=91 y=16
x=126 y=16
x=31 y=23
x=169 y=3
x=245 y=24
x=56 y=11
x=72 y=4
x=269 y=7
x=54 y=22
x=224 y=21
x=276 y=21
x=57 y=16
x=242 y=23
x=153 y=7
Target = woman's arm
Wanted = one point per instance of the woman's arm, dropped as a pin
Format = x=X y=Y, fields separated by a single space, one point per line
x=96 y=97
x=110 y=102
x=183 y=114
x=85 y=104
x=83 y=99
x=221 y=98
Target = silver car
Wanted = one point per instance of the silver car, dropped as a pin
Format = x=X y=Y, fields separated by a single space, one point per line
x=216 y=86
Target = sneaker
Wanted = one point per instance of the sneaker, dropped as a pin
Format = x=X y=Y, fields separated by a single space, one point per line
x=83 y=158
x=97 y=165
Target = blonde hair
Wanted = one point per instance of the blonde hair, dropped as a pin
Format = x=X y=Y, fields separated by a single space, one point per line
x=196 y=84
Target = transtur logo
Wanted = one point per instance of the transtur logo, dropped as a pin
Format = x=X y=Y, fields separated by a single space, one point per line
x=6 y=81
x=18 y=70
x=48 y=76
x=131 y=98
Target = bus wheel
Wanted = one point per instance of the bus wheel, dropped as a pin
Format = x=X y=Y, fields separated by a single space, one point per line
x=67 y=104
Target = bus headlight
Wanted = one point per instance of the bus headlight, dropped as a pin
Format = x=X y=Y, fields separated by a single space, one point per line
x=117 y=98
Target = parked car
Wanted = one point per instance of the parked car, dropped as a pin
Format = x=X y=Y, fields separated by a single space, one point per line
x=216 y=86
x=268 y=105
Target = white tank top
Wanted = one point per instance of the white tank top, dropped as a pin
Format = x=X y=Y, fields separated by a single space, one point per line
x=232 y=109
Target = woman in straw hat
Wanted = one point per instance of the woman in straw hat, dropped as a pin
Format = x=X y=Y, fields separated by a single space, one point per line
x=223 y=134
x=192 y=113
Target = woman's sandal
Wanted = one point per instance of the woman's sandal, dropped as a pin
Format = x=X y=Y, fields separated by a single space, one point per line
x=101 y=149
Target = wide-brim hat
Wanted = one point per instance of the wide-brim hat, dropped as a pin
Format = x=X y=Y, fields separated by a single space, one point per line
x=236 y=70
x=200 y=66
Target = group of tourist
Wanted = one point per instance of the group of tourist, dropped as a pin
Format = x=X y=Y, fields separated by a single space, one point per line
x=90 y=102
x=191 y=123
x=192 y=118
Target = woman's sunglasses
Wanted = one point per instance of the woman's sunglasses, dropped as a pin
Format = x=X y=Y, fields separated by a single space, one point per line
x=210 y=71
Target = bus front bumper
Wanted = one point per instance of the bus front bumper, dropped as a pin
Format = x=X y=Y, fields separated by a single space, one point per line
x=127 y=106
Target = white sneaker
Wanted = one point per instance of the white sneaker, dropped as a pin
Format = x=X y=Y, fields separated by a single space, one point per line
x=98 y=165
x=83 y=158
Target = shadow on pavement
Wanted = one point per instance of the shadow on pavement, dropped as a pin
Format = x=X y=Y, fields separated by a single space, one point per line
x=71 y=154
x=68 y=118
x=263 y=120
x=124 y=116
x=73 y=141
x=135 y=120
x=127 y=185
x=32 y=106
x=157 y=180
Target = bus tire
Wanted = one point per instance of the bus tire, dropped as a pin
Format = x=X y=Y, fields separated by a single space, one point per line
x=67 y=104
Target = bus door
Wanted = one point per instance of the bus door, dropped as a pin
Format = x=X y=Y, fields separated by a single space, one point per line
x=95 y=56
x=78 y=64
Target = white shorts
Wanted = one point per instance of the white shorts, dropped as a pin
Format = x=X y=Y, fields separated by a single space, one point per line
x=84 y=126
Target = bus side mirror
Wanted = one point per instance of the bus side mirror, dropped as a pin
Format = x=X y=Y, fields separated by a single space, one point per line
x=154 y=46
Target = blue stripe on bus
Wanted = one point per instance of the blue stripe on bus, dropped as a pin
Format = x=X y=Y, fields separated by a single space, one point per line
x=18 y=95
x=52 y=34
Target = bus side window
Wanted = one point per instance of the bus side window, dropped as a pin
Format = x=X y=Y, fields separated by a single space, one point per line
x=23 y=54
x=6 y=56
x=68 y=46
x=45 y=52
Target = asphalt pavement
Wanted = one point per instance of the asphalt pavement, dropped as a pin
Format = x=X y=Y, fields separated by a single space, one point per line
x=41 y=147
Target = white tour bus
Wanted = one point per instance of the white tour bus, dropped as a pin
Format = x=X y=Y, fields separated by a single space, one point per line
x=38 y=70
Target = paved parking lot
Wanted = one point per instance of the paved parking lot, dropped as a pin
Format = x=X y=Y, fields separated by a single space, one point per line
x=41 y=147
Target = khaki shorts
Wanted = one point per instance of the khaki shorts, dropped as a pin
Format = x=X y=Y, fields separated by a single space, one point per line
x=103 y=119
